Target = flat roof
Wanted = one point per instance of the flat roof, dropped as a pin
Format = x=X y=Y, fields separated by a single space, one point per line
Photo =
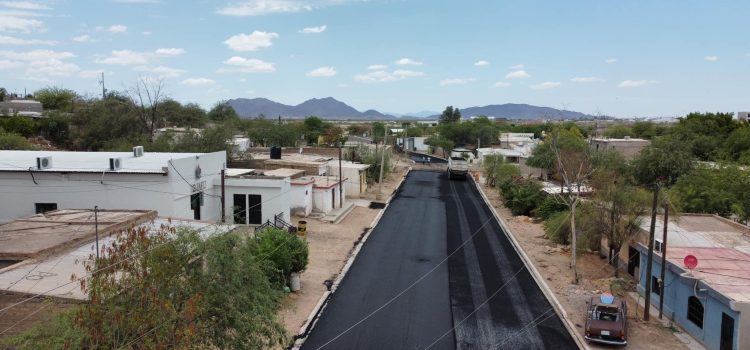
x=283 y=172
x=604 y=139
x=701 y=230
x=237 y=171
x=346 y=164
x=723 y=269
x=51 y=275
x=90 y=162
x=42 y=234
x=553 y=188
x=326 y=181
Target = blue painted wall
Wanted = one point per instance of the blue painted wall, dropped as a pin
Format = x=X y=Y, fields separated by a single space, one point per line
x=677 y=290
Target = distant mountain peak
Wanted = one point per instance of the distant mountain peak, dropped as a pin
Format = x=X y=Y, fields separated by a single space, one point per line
x=326 y=107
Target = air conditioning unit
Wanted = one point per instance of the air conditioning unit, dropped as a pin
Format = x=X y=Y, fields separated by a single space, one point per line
x=43 y=163
x=115 y=163
x=138 y=151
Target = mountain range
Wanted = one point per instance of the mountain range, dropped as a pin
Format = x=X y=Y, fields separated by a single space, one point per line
x=330 y=108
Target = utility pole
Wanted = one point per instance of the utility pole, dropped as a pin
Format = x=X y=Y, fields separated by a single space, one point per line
x=663 y=260
x=649 y=262
x=341 y=180
x=96 y=229
x=382 y=160
x=104 y=90
x=223 y=198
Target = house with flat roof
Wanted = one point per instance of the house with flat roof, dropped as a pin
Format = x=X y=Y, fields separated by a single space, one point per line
x=178 y=185
x=712 y=300
x=26 y=108
x=627 y=146
x=355 y=173
x=41 y=252
x=255 y=197
x=328 y=193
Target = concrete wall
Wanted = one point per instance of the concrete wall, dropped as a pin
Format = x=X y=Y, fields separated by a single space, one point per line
x=677 y=290
x=169 y=195
x=275 y=196
x=628 y=148
x=354 y=179
x=301 y=199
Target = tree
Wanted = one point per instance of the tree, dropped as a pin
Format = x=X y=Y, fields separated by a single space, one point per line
x=57 y=98
x=3 y=93
x=314 y=127
x=575 y=165
x=659 y=164
x=443 y=143
x=378 y=131
x=11 y=141
x=450 y=115
x=222 y=111
x=147 y=95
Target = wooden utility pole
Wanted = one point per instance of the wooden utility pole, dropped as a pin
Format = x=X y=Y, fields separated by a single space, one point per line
x=649 y=262
x=382 y=160
x=663 y=260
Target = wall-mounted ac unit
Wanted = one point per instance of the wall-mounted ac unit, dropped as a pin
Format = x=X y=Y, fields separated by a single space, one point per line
x=44 y=163
x=138 y=151
x=115 y=163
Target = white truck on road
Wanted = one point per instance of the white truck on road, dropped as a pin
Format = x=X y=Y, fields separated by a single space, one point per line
x=457 y=167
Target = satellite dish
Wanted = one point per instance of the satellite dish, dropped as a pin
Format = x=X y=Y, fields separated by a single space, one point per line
x=690 y=261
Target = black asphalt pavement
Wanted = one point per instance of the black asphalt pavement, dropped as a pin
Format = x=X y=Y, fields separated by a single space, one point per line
x=438 y=272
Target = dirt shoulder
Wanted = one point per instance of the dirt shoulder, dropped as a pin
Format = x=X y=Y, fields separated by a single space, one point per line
x=553 y=261
x=331 y=245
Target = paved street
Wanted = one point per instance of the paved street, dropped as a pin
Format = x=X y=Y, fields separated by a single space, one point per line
x=437 y=272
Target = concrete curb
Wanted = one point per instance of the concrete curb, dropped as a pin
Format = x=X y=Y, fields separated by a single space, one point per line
x=536 y=275
x=323 y=302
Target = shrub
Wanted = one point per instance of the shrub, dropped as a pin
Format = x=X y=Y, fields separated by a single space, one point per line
x=522 y=196
x=557 y=227
x=280 y=252
x=549 y=206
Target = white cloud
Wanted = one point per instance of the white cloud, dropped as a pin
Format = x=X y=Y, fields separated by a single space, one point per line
x=377 y=67
x=39 y=64
x=456 y=81
x=166 y=72
x=197 y=82
x=610 y=60
x=170 y=52
x=481 y=63
x=635 y=83
x=518 y=74
x=89 y=74
x=24 y=5
x=137 y=1
x=117 y=28
x=500 y=84
x=251 y=42
x=383 y=76
x=587 y=80
x=322 y=72
x=408 y=62
x=518 y=66
x=314 y=30
x=546 y=85
x=266 y=7
x=146 y=33
x=9 y=40
x=125 y=58
x=82 y=38
x=14 y=23
x=711 y=58
x=248 y=65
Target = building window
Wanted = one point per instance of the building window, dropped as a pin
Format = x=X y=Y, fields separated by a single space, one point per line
x=254 y=209
x=655 y=286
x=42 y=208
x=658 y=246
x=695 y=311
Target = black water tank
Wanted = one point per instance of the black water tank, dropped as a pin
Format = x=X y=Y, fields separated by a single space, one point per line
x=275 y=152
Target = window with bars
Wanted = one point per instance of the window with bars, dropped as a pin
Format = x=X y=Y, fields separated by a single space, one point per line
x=695 y=311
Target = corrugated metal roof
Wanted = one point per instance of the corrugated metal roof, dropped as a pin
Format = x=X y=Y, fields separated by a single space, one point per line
x=90 y=162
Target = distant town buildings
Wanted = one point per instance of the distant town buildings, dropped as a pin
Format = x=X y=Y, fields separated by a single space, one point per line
x=26 y=108
x=743 y=116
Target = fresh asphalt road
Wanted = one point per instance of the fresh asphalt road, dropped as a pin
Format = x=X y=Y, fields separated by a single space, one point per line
x=438 y=272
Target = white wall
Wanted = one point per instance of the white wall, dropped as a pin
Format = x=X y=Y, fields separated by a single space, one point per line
x=302 y=199
x=168 y=194
x=275 y=196
x=351 y=184
x=322 y=201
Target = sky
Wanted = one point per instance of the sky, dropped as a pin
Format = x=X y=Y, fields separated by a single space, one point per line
x=602 y=57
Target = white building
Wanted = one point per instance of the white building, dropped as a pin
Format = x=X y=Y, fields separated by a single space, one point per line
x=178 y=185
x=326 y=195
x=302 y=196
x=254 y=198
x=414 y=144
x=355 y=173
x=240 y=144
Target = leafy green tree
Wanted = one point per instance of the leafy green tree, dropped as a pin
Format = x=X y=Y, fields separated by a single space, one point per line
x=522 y=196
x=55 y=127
x=450 y=115
x=618 y=131
x=723 y=190
x=443 y=143
x=57 y=98
x=3 y=93
x=378 y=131
x=736 y=147
x=222 y=112
x=284 y=253
x=703 y=133
x=18 y=125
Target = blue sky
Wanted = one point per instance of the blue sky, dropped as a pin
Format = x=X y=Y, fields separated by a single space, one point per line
x=619 y=58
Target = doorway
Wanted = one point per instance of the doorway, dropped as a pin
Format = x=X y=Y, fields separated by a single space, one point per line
x=634 y=260
x=196 y=200
x=727 y=332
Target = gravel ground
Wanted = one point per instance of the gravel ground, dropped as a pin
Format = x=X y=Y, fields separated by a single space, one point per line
x=552 y=261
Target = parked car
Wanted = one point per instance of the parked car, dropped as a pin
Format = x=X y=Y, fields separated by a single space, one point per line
x=607 y=320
